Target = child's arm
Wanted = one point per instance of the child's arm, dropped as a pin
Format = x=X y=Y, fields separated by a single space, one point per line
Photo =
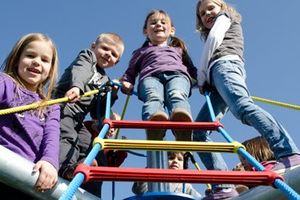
x=192 y=191
x=49 y=161
x=81 y=69
x=212 y=42
x=134 y=68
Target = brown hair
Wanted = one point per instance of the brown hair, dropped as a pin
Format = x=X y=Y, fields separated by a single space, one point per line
x=11 y=63
x=259 y=148
x=184 y=155
x=224 y=7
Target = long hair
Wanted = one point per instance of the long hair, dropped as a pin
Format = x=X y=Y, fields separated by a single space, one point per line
x=235 y=16
x=259 y=148
x=11 y=63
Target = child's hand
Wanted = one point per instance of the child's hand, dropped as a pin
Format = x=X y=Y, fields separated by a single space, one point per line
x=48 y=176
x=127 y=87
x=73 y=94
x=113 y=131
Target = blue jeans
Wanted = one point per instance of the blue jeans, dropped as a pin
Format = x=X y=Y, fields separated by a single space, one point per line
x=228 y=79
x=165 y=90
x=168 y=89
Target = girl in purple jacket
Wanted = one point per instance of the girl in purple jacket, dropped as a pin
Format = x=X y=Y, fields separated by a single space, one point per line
x=33 y=134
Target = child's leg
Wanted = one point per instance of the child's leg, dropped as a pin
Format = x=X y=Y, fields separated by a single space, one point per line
x=177 y=89
x=71 y=142
x=69 y=152
x=151 y=93
x=229 y=79
x=213 y=161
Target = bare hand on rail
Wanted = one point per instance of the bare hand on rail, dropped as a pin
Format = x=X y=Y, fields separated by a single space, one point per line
x=73 y=94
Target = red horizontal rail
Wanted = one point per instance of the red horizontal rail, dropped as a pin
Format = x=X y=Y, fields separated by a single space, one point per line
x=171 y=175
x=140 y=124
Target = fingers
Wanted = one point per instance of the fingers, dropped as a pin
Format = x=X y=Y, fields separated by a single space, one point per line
x=47 y=178
x=73 y=94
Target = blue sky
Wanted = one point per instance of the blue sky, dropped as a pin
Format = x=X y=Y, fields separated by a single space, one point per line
x=271 y=32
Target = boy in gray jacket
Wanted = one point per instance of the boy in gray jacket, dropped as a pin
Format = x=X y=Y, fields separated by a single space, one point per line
x=83 y=75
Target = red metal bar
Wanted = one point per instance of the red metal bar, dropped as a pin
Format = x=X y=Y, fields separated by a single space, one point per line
x=171 y=175
x=140 y=124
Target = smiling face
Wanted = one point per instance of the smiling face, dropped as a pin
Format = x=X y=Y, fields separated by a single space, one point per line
x=35 y=64
x=107 y=53
x=208 y=10
x=158 y=28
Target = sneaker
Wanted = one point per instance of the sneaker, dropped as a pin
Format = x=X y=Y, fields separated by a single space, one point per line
x=157 y=134
x=286 y=164
x=222 y=193
x=181 y=115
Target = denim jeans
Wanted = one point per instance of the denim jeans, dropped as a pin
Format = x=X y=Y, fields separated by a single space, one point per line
x=228 y=79
x=165 y=90
x=168 y=89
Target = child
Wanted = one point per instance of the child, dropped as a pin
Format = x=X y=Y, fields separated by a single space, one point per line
x=89 y=67
x=222 y=68
x=165 y=75
x=165 y=72
x=176 y=161
x=33 y=134
x=259 y=148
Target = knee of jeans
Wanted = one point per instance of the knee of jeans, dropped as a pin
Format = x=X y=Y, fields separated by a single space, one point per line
x=153 y=97
x=177 y=94
x=241 y=113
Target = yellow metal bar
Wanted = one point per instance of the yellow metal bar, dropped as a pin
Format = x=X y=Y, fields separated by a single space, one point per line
x=237 y=146
x=277 y=103
x=153 y=145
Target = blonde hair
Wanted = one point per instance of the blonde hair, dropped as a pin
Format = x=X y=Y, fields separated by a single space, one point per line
x=11 y=63
x=113 y=39
x=235 y=16
x=259 y=148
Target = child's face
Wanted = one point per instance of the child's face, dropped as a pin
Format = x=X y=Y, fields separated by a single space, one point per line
x=35 y=64
x=208 y=10
x=107 y=54
x=175 y=161
x=159 y=28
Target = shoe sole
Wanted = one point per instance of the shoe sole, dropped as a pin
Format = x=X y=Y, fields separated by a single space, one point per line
x=157 y=134
x=182 y=135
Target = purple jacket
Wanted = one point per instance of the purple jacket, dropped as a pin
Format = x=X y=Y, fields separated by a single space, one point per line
x=150 y=60
x=25 y=133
